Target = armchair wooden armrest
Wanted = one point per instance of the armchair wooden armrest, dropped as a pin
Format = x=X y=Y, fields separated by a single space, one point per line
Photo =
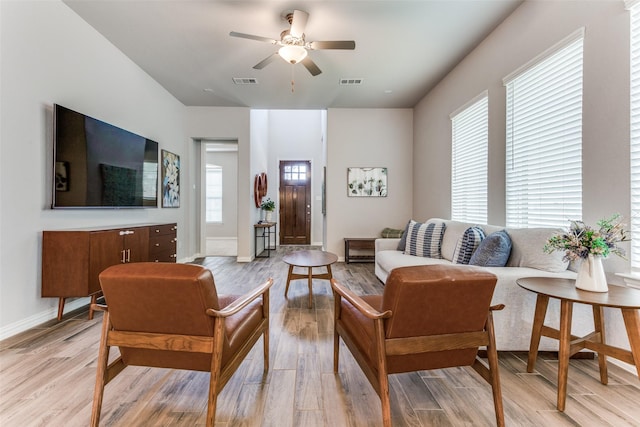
x=496 y=307
x=241 y=302
x=362 y=306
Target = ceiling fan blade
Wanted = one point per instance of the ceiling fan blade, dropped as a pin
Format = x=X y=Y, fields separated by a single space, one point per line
x=268 y=60
x=298 y=23
x=337 y=44
x=252 y=37
x=311 y=66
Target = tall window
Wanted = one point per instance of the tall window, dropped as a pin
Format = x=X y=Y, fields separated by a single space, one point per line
x=214 y=193
x=469 y=146
x=544 y=138
x=635 y=135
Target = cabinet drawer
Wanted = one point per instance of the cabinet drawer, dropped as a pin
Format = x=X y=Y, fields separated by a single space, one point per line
x=159 y=230
x=161 y=243
x=166 y=256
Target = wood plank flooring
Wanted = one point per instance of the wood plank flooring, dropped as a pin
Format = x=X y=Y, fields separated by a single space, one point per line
x=47 y=375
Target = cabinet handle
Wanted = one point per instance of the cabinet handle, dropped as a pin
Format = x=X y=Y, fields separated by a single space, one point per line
x=157 y=230
x=157 y=244
x=126 y=232
x=122 y=259
x=128 y=255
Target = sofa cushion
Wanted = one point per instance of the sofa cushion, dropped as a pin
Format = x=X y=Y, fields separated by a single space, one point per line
x=467 y=244
x=424 y=239
x=527 y=249
x=403 y=238
x=494 y=250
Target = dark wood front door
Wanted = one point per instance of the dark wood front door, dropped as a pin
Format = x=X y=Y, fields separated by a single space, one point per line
x=295 y=202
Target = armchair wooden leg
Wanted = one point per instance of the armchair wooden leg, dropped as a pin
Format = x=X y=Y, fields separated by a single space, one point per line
x=492 y=355
x=101 y=374
x=337 y=301
x=216 y=363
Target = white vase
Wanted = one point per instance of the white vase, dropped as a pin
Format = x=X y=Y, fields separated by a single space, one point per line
x=268 y=215
x=591 y=275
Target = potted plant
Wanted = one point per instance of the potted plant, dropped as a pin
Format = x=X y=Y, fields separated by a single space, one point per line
x=268 y=206
x=589 y=245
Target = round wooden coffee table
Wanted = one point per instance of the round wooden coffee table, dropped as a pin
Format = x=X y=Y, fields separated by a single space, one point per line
x=309 y=259
x=625 y=299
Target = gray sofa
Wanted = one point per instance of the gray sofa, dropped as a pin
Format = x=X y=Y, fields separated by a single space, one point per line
x=527 y=259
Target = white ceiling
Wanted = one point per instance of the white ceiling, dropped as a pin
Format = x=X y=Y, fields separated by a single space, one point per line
x=403 y=47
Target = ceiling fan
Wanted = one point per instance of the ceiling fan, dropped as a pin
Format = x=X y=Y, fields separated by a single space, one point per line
x=293 y=46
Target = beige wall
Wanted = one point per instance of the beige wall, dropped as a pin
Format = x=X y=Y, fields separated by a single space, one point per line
x=368 y=138
x=530 y=30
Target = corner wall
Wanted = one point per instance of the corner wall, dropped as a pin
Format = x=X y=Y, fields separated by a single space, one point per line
x=533 y=28
x=50 y=55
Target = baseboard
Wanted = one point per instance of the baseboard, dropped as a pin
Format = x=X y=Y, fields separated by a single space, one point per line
x=40 y=318
x=244 y=259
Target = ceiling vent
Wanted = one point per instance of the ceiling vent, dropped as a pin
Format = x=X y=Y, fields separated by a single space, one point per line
x=245 y=80
x=350 y=82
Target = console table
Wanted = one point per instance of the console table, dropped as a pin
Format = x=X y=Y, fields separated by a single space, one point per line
x=626 y=299
x=263 y=231
x=360 y=244
x=73 y=259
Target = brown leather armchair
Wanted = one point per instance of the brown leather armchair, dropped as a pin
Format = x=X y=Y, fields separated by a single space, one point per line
x=169 y=315
x=429 y=317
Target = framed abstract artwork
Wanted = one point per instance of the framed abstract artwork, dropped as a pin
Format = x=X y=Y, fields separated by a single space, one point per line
x=170 y=180
x=367 y=182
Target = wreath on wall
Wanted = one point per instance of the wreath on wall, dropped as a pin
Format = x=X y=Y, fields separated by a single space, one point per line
x=259 y=188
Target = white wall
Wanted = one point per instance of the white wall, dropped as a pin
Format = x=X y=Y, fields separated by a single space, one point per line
x=49 y=55
x=368 y=138
x=297 y=135
x=530 y=30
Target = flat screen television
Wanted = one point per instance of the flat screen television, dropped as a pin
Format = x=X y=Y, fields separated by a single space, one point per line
x=98 y=165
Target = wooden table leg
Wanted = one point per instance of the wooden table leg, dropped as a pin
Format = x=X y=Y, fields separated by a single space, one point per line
x=566 y=308
x=538 y=321
x=632 y=324
x=310 y=287
x=598 y=322
x=286 y=289
x=60 y=307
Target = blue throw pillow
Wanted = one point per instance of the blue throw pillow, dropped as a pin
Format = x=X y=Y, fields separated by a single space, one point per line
x=467 y=245
x=494 y=250
x=403 y=239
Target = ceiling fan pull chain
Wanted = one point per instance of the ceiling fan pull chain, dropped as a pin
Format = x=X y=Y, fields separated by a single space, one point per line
x=292 y=80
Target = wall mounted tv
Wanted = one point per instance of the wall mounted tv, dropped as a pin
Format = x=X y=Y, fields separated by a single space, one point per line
x=98 y=165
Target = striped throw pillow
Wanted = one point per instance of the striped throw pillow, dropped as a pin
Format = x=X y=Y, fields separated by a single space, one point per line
x=467 y=244
x=425 y=239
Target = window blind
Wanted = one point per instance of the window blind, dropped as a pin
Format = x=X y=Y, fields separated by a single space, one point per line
x=469 y=147
x=635 y=135
x=214 y=194
x=544 y=140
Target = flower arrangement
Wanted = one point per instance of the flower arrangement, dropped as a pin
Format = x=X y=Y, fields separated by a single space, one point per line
x=268 y=205
x=582 y=240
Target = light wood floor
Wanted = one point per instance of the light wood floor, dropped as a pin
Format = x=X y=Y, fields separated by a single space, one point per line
x=47 y=375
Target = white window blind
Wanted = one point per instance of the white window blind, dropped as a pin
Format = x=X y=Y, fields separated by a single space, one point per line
x=544 y=139
x=635 y=136
x=469 y=147
x=214 y=194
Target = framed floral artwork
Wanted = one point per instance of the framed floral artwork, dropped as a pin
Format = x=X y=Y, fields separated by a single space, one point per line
x=367 y=182
x=170 y=180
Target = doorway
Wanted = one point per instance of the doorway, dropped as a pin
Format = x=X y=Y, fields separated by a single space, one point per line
x=220 y=198
x=295 y=202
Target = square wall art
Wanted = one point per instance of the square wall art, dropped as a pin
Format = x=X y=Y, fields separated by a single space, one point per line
x=367 y=182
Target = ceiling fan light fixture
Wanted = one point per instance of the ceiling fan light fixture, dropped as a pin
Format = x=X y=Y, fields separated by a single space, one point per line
x=292 y=54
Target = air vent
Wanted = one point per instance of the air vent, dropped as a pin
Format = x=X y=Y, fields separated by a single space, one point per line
x=245 y=80
x=350 y=82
